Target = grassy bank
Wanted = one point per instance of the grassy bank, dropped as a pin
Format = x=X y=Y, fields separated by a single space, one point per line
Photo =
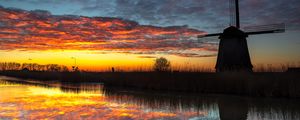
x=73 y=77
x=254 y=84
x=281 y=84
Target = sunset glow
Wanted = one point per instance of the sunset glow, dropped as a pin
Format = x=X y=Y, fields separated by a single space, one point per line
x=43 y=104
x=97 y=43
x=131 y=40
x=149 y=59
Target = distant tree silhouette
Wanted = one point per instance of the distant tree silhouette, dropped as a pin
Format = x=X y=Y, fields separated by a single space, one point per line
x=9 y=66
x=33 y=67
x=25 y=69
x=112 y=69
x=75 y=69
x=64 y=69
x=161 y=64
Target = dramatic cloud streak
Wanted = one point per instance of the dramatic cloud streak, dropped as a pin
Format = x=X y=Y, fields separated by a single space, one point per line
x=209 y=15
x=40 y=30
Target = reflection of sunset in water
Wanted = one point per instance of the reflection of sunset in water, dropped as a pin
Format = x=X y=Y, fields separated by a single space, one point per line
x=33 y=102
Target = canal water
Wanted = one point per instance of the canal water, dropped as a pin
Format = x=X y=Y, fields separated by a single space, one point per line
x=34 y=100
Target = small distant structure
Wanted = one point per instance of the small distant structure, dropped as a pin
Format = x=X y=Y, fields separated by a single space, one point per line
x=25 y=70
x=75 y=69
x=293 y=69
x=112 y=69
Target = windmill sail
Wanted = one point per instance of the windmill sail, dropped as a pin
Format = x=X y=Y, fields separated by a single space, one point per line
x=264 y=29
x=259 y=29
x=233 y=53
x=250 y=30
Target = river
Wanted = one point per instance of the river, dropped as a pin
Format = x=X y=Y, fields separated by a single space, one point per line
x=20 y=99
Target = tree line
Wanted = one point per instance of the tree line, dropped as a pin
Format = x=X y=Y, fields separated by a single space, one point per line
x=160 y=65
x=33 y=67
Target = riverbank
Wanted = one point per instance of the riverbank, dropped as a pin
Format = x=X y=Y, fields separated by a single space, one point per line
x=93 y=96
x=281 y=84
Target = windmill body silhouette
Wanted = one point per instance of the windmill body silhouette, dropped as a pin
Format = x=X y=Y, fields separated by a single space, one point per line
x=233 y=54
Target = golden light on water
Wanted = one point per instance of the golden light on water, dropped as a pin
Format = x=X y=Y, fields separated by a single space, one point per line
x=43 y=100
x=33 y=102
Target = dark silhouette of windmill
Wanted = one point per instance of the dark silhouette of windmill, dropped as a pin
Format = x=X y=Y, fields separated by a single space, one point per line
x=233 y=54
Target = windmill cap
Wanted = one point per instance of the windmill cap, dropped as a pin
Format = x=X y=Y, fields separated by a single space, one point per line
x=233 y=32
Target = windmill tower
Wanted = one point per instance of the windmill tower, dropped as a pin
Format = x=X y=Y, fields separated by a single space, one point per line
x=233 y=54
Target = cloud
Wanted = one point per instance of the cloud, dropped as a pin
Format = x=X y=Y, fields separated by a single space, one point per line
x=260 y=12
x=195 y=13
x=194 y=55
x=147 y=57
x=40 y=30
x=208 y=15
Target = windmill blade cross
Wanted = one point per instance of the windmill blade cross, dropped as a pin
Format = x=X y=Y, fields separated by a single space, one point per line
x=264 y=29
x=253 y=30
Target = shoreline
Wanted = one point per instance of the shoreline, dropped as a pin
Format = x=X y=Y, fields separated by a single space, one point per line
x=281 y=84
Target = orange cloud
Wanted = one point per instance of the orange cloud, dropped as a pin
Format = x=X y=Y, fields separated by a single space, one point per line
x=39 y=30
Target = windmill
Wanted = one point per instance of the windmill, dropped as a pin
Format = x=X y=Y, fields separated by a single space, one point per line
x=233 y=54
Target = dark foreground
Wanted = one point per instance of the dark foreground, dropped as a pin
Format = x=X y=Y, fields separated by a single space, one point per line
x=283 y=84
x=54 y=100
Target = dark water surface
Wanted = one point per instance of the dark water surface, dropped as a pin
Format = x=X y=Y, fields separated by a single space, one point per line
x=21 y=99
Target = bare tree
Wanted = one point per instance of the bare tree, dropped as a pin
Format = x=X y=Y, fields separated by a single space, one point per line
x=9 y=66
x=64 y=68
x=162 y=64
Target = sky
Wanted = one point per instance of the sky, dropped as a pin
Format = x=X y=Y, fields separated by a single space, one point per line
x=127 y=33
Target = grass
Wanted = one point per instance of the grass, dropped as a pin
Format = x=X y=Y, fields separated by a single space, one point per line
x=256 y=84
x=267 y=80
x=267 y=84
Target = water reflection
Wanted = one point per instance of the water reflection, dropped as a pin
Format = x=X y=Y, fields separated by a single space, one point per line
x=53 y=100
